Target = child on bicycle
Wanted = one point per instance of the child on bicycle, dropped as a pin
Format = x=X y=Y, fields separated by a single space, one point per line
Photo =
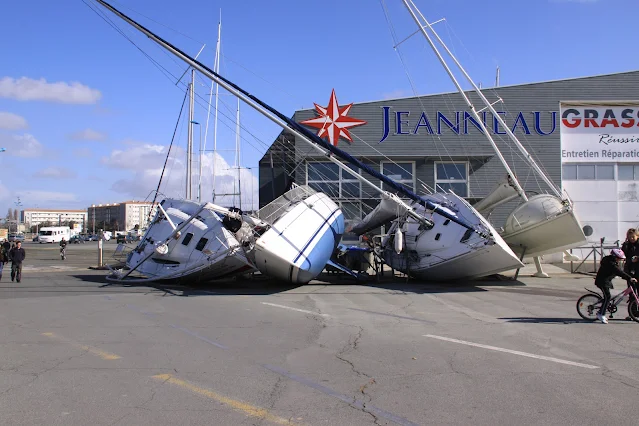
x=608 y=270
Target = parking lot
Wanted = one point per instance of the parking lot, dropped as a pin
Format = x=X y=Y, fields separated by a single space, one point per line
x=79 y=351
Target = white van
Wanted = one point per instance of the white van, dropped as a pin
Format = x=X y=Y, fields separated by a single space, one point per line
x=54 y=234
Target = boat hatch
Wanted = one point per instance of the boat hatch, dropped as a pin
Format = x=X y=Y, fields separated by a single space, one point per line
x=165 y=261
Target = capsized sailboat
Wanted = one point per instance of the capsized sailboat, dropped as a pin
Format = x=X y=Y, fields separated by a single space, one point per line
x=420 y=211
x=200 y=241
x=542 y=224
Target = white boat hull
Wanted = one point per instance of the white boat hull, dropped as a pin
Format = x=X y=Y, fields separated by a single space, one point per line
x=189 y=256
x=543 y=225
x=300 y=242
x=449 y=251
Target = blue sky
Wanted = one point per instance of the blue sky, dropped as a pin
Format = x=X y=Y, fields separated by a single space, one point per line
x=86 y=118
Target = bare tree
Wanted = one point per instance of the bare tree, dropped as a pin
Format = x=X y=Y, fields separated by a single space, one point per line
x=10 y=213
x=15 y=214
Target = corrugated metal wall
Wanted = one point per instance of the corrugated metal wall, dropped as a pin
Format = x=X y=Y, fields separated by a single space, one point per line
x=536 y=100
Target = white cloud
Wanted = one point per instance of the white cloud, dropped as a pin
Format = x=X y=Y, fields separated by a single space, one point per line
x=138 y=156
x=46 y=198
x=28 y=89
x=146 y=162
x=55 y=173
x=88 y=135
x=83 y=152
x=20 y=145
x=12 y=121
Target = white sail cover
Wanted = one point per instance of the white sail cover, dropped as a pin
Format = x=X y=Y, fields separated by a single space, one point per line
x=385 y=211
x=502 y=192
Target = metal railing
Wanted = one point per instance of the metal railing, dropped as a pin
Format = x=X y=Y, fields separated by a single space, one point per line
x=594 y=251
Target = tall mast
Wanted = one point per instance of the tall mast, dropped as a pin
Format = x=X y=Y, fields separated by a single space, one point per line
x=208 y=111
x=189 y=148
x=307 y=136
x=216 y=66
x=509 y=132
x=237 y=153
x=518 y=187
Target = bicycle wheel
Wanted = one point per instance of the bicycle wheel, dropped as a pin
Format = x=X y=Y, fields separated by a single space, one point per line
x=588 y=306
x=633 y=310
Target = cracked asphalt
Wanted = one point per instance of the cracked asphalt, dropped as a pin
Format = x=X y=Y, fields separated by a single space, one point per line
x=77 y=351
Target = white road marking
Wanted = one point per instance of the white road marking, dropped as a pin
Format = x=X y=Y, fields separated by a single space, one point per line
x=295 y=309
x=494 y=348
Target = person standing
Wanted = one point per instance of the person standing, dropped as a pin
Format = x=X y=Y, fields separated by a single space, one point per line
x=63 y=248
x=17 y=256
x=630 y=248
x=3 y=259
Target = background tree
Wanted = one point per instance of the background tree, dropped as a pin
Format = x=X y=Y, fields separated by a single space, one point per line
x=15 y=214
x=10 y=214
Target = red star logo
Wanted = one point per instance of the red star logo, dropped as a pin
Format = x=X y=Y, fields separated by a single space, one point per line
x=333 y=121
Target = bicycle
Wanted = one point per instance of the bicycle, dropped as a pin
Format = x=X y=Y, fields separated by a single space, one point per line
x=588 y=305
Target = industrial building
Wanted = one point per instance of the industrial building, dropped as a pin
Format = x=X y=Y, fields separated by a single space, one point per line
x=122 y=216
x=53 y=217
x=581 y=131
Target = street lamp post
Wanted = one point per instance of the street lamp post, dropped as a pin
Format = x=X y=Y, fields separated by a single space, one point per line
x=18 y=205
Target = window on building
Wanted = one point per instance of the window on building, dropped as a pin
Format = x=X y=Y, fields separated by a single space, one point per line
x=333 y=181
x=588 y=172
x=401 y=172
x=628 y=172
x=452 y=177
x=352 y=214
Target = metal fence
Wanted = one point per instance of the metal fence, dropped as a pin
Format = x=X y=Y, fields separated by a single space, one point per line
x=595 y=253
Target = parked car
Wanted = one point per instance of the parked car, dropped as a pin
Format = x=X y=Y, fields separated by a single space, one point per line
x=76 y=239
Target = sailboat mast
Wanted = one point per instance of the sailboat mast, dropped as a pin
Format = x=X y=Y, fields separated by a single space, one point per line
x=208 y=109
x=216 y=67
x=189 y=148
x=305 y=135
x=500 y=120
x=237 y=153
x=518 y=187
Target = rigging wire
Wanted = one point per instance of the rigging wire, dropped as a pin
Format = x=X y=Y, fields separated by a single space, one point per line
x=168 y=153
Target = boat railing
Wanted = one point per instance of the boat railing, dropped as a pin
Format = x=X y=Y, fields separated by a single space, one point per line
x=276 y=208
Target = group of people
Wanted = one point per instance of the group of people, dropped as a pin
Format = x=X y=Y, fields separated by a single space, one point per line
x=16 y=255
x=609 y=269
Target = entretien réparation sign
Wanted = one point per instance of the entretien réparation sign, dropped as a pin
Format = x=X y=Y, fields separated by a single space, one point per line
x=599 y=131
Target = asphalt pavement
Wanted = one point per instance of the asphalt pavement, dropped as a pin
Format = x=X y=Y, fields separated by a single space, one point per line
x=76 y=350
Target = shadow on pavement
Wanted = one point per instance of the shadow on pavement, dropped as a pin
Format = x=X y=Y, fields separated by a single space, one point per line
x=534 y=320
x=327 y=283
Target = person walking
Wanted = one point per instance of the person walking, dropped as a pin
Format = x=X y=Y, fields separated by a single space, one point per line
x=63 y=248
x=17 y=256
x=4 y=257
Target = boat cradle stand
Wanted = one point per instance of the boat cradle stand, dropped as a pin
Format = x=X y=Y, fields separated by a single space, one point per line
x=540 y=272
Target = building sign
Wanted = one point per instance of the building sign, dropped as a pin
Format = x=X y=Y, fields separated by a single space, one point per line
x=396 y=122
x=599 y=132
x=333 y=121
